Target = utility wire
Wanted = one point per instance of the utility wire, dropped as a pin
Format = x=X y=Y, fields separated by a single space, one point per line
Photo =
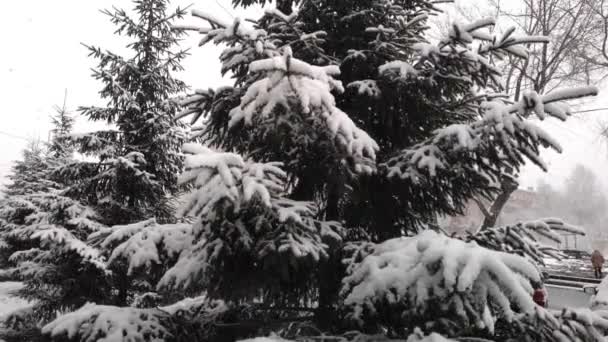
x=13 y=136
x=590 y=110
x=224 y=8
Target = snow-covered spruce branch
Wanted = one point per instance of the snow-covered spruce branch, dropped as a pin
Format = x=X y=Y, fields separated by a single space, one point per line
x=475 y=65
x=293 y=85
x=287 y=78
x=243 y=215
x=61 y=238
x=110 y=237
x=54 y=223
x=109 y=323
x=502 y=131
x=431 y=275
x=416 y=336
x=246 y=43
x=290 y=84
x=196 y=104
x=97 y=143
x=577 y=324
x=581 y=324
x=220 y=177
x=143 y=244
x=98 y=178
x=466 y=33
x=525 y=238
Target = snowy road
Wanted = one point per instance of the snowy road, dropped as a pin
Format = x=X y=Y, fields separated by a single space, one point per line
x=8 y=302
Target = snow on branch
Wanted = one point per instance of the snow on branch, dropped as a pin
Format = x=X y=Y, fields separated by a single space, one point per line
x=434 y=273
x=108 y=323
x=569 y=324
x=355 y=336
x=152 y=245
x=244 y=43
x=419 y=336
x=564 y=94
x=96 y=143
x=56 y=237
x=501 y=138
x=109 y=237
x=402 y=68
x=242 y=215
x=467 y=32
x=271 y=338
x=546 y=104
x=220 y=178
x=294 y=85
x=195 y=104
x=213 y=20
x=509 y=44
x=366 y=87
x=278 y=14
x=222 y=31
x=475 y=62
x=524 y=238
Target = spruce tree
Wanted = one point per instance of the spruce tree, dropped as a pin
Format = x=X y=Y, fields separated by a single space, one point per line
x=27 y=174
x=60 y=145
x=133 y=175
x=44 y=234
x=25 y=178
x=314 y=200
x=137 y=162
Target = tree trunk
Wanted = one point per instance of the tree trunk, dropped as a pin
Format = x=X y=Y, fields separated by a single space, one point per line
x=123 y=289
x=330 y=270
x=285 y=6
x=508 y=186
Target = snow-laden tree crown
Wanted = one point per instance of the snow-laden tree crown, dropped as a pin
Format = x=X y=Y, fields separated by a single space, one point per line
x=313 y=184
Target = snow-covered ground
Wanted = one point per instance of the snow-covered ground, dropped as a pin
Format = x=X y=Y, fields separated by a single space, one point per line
x=8 y=301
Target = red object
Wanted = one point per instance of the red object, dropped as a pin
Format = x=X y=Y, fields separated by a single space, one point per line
x=540 y=297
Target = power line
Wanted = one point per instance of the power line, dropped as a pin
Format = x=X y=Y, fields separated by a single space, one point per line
x=14 y=136
x=224 y=8
x=569 y=130
x=590 y=110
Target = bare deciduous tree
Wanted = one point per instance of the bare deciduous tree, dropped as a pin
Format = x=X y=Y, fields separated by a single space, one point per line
x=571 y=25
x=577 y=54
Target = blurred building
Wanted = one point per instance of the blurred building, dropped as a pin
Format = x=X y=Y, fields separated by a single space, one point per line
x=520 y=202
x=523 y=205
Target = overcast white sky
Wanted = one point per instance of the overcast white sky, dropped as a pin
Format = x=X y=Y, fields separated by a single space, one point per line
x=42 y=56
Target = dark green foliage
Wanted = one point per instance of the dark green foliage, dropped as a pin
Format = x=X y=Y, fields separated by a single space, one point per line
x=344 y=105
x=403 y=111
x=29 y=175
x=63 y=123
x=138 y=163
x=444 y=132
x=42 y=233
